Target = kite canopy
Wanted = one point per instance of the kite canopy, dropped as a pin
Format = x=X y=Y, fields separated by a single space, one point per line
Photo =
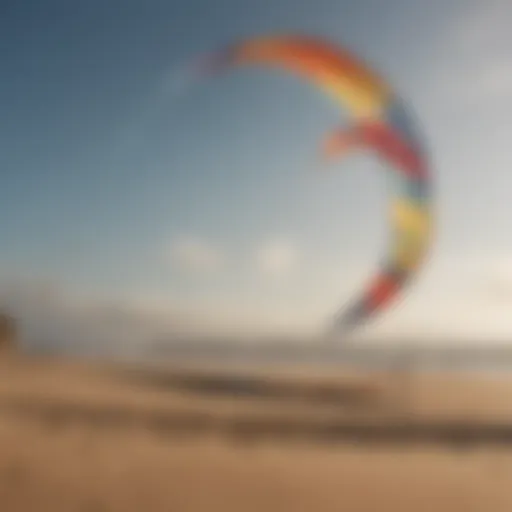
x=380 y=124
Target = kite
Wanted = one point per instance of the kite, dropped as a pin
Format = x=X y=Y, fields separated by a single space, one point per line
x=380 y=124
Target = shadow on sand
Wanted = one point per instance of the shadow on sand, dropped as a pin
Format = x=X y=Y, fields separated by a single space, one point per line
x=353 y=395
x=254 y=428
x=243 y=426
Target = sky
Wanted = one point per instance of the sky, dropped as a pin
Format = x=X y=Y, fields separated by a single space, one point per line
x=132 y=206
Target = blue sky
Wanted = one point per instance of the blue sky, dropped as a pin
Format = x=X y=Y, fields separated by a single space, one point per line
x=208 y=202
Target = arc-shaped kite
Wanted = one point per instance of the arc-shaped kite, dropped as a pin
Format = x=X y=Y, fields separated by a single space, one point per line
x=381 y=124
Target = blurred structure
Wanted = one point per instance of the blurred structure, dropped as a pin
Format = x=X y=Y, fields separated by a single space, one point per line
x=8 y=334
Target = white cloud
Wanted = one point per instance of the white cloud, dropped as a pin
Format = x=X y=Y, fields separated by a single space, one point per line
x=194 y=254
x=277 y=257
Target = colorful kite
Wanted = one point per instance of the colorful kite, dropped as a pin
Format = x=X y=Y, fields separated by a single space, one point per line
x=380 y=124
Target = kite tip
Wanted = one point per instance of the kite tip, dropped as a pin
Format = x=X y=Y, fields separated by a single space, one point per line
x=209 y=63
x=194 y=71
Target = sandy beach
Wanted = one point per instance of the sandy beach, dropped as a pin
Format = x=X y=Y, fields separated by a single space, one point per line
x=84 y=465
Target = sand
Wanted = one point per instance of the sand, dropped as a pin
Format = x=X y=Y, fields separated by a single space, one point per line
x=86 y=466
